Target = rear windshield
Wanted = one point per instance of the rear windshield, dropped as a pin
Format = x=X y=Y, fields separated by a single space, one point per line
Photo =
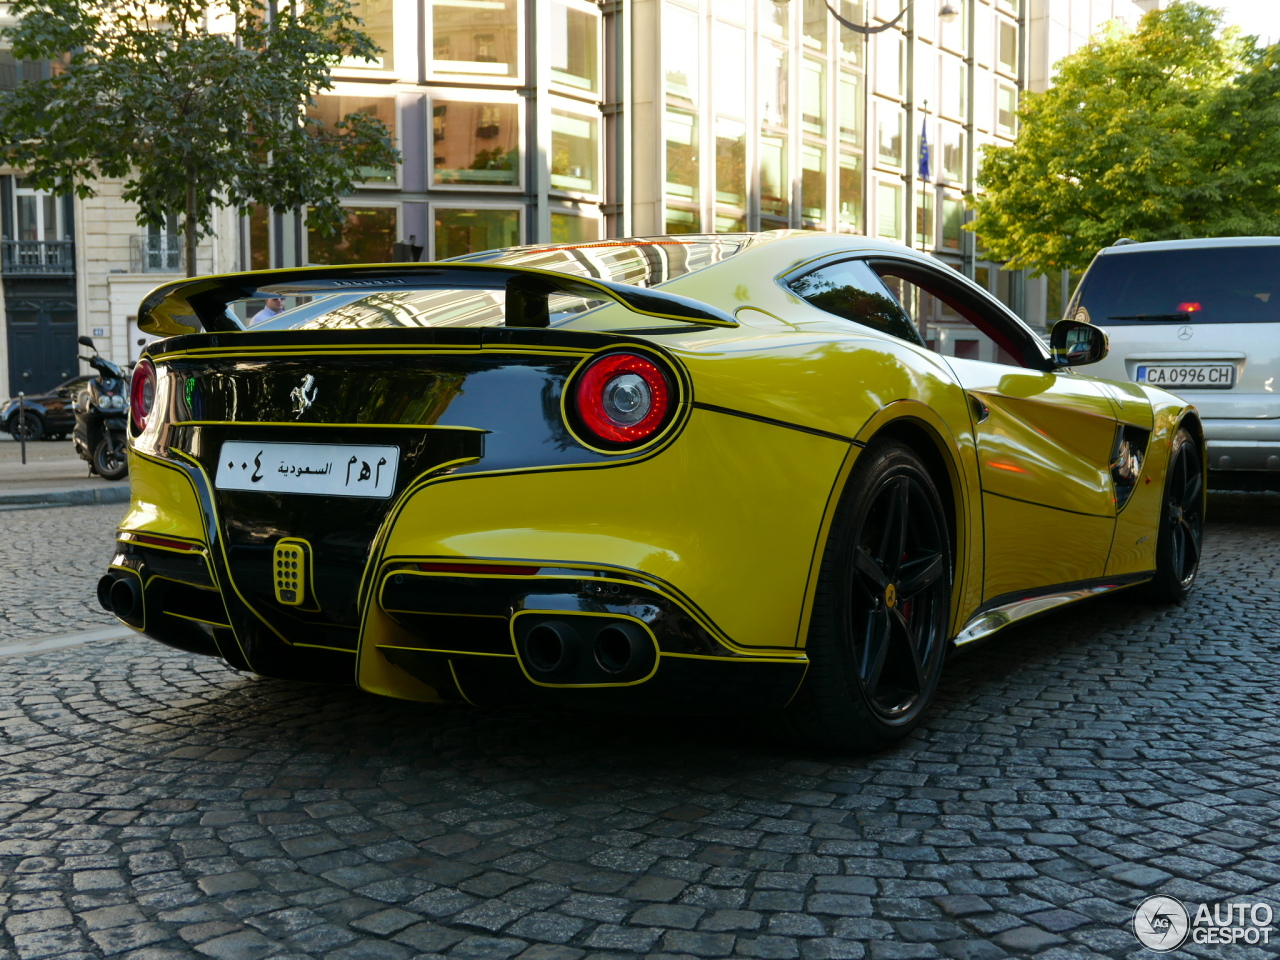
x=1208 y=285
x=641 y=263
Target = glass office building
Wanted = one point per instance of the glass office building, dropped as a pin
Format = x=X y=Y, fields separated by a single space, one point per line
x=524 y=121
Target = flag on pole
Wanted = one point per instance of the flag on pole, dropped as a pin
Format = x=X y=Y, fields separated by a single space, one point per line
x=925 y=173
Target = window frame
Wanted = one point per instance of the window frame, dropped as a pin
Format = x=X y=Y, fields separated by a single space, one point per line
x=581 y=111
x=568 y=89
x=519 y=209
x=354 y=202
x=348 y=89
x=996 y=321
x=462 y=76
x=496 y=97
x=404 y=56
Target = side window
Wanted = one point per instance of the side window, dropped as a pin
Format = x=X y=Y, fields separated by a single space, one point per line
x=949 y=325
x=852 y=291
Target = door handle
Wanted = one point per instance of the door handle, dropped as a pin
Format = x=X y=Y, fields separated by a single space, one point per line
x=978 y=408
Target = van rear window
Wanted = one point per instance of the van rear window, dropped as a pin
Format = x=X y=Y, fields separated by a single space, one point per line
x=1208 y=285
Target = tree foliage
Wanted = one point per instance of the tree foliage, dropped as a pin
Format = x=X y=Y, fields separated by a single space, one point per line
x=1168 y=131
x=194 y=104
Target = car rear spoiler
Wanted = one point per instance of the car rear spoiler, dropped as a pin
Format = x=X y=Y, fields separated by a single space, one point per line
x=189 y=306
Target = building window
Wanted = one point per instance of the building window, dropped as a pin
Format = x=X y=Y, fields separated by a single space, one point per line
x=889 y=210
x=476 y=38
x=775 y=184
x=924 y=219
x=813 y=184
x=731 y=223
x=475 y=144
x=1008 y=46
x=773 y=67
x=729 y=80
x=575 y=52
x=469 y=230
x=851 y=108
x=815 y=25
x=953 y=153
x=889 y=64
x=571 y=228
x=682 y=154
x=955 y=88
x=952 y=222
x=889 y=134
x=731 y=162
x=260 y=237
x=330 y=108
x=850 y=193
x=378 y=18
x=774 y=19
x=813 y=98
x=852 y=43
x=955 y=34
x=680 y=53
x=1006 y=109
x=574 y=152
x=368 y=235
x=927 y=74
x=682 y=220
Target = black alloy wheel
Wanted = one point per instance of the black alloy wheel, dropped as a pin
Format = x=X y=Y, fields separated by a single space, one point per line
x=1181 y=533
x=878 y=634
x=26 y=425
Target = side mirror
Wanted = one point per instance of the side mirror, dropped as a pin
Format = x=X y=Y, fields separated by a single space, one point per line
x=86 y=342
x=1075 y=343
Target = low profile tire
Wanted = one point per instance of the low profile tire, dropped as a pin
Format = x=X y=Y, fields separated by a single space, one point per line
x=1181 y=532
x=878 y=634
x=30 y=426
x=109 y=459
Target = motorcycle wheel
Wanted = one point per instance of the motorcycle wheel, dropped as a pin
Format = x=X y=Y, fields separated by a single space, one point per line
x=109 y=460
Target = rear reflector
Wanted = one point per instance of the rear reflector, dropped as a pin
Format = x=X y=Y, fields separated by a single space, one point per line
x=163 y=542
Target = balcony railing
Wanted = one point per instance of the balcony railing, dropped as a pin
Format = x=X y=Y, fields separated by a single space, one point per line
x=37 y=258
x=156 y=253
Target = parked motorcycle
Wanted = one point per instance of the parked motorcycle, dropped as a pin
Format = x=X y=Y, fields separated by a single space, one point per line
x=102 y=417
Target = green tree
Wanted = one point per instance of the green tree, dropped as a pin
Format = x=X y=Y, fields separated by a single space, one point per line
x=1164 y=132
x=194 y=104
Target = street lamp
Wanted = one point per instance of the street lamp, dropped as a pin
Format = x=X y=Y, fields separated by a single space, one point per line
x=947 y=13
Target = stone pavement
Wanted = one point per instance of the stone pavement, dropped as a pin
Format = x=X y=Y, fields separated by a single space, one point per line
x=157 y=805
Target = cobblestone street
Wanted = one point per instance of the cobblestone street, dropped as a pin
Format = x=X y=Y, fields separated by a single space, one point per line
x=159 y=805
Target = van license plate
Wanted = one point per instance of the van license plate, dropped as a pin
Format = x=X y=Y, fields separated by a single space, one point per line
x=1220 y=376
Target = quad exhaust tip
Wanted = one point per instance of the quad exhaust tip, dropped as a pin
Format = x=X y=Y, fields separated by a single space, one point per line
x=584 y=650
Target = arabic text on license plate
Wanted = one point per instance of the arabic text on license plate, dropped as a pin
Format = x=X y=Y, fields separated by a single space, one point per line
x=1188 y=375
x=326 y=469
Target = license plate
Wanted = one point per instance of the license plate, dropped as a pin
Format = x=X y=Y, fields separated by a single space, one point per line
x=1208 y=375
x=323 y=469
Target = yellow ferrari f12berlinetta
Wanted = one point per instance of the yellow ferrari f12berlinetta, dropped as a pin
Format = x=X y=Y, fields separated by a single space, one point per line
x=786 y=471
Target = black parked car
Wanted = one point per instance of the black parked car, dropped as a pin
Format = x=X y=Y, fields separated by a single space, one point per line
x=49 y=415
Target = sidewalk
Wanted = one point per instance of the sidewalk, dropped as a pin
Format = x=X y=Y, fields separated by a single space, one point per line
x=52 y=476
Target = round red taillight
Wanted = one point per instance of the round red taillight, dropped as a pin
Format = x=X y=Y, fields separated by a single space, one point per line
x=622 y=399
x=142 y=393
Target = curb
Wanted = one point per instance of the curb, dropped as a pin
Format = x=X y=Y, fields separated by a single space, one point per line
x=66 y=498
